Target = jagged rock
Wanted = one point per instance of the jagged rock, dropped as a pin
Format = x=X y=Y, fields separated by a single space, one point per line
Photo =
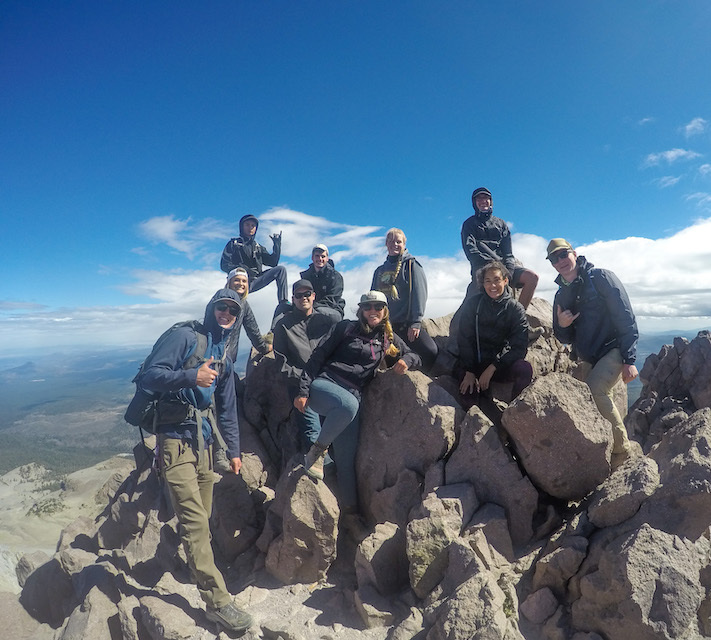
x=560 y=437
x=554 y=569
x=434 y=525
x=695 y=366
x=411 y=628
x=381 y=560
x=129 y=614
x=682 y=503
x=49 y=578
x=622 y=494
x=478 y=610
x=97 y=618
x=301 y=529
x=27 y=564
x=164 y=621
x=539 y=606
x=79 y=533
x=407 y=422
x=482 y=460
x=490 y=521
x=646 y=587
x=235 y=525
x=546 y=354
x=373 y=608
x=394 y=503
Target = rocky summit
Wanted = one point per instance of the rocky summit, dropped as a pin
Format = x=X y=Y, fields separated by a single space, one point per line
x=507 y=521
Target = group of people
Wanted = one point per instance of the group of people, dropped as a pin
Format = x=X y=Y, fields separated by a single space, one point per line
x=327 y=361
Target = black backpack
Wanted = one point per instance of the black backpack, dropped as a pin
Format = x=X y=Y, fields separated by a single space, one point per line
x=147 y=409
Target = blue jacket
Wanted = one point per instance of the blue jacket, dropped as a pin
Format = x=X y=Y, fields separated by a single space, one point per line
x=606 y=319
x=165 y=375
x=411 y=285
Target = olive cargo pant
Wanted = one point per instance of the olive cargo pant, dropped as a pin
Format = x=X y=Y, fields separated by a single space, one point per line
x=189 y=477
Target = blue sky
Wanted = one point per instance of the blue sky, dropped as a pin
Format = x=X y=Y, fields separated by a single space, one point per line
x=135 y=134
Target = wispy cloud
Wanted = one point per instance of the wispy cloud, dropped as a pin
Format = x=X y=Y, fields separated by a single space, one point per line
x=185 y=236
x=667 y=181
x=696 y=127
x=669 y=157
x=651 y=269
x=702 y=199
x=645 y=121
x=705 y=170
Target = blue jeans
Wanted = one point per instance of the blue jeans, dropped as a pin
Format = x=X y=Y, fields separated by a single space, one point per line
x=275 y=273
x=341 y=427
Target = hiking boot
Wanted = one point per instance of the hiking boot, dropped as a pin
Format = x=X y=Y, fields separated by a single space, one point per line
x=314 y=459
x=220 y=463
x=534 y=333
x=230 y=618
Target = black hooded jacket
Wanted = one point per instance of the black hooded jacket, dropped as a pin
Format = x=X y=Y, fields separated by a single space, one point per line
x=486 y=238
x=328 y=286
x=349 y=356
x=247 y=253
x=492 y=331
x=606 y=319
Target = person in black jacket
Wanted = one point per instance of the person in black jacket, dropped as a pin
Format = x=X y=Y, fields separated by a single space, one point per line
x=296 y=336
x=493 y=336
x=244 y=251
x=327 y=283
x=592 y=311
x=486 y=238
x=333 y=380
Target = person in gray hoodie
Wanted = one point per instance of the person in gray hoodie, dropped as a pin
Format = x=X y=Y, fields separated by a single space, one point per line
x=402 y=279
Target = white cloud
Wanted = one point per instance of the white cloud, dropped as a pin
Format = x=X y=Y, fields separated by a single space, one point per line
x=645 y=121
x=667 y=181
x=184 y=236
x=655 y=272
x=703 y=200
x=669 y=157
x=705 y=170
x=696 y=127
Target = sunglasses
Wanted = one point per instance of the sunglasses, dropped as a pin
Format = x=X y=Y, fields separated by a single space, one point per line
x=223 y=306
x=303 y=294
x=378 y=306
x=558 y=255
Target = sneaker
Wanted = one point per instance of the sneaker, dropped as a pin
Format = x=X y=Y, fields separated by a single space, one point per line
x=313 y=461
x=230 y=617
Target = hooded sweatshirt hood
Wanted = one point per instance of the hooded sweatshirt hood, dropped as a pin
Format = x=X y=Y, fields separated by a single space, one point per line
x=242 y=221
x=219 y=334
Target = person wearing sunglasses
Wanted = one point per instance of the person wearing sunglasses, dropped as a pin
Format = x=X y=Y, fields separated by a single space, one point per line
x=592 y=312
x=332 y=384
x=492 y=338
x=486 y=238
x=296 y=336
x=402 y=279
x=185 y=439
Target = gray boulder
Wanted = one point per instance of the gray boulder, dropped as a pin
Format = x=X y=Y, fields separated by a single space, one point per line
x=300 y=534
x=407 y=422
x=560 y=437
x=381 y=560
x=482 y=460
x=646 y=587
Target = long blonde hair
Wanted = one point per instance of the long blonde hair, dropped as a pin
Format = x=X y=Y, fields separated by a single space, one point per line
x=393 y=294
x=387 y=328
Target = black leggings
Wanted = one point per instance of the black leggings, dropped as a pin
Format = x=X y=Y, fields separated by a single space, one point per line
x=424 y=346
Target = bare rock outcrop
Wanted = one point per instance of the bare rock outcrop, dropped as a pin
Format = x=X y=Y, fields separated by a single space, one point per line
x=476 y=531
x=560 y=437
